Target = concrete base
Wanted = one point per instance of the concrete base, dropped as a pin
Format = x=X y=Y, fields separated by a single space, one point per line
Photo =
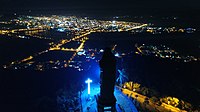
x=105 y=106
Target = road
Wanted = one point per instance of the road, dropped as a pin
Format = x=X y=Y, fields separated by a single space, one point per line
x=81 y=36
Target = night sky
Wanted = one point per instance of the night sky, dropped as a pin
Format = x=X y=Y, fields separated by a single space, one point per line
x=102 y=4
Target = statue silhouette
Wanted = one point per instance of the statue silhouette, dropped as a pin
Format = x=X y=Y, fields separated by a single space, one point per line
x=107 y=81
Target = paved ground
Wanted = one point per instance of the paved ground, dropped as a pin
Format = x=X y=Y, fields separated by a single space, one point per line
x=124 y=104
x=151 y=106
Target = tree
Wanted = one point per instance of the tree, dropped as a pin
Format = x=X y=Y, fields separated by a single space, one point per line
x=132 y=86
x=154 y=99
x=175 y=101
x=185 y=105
x=45 y=104
x=170 y=101
x=136 y=86
x=144 y=91
x=69 y=100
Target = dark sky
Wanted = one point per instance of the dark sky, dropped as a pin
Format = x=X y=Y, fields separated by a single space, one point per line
x=144 y=5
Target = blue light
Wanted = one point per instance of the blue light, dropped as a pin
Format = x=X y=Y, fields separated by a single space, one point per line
x=93 y=71
x=61 y=30
x=88 y=81
x=81 y=53
x=117 y=54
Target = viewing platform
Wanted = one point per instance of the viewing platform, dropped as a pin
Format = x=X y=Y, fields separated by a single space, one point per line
x=89 y=103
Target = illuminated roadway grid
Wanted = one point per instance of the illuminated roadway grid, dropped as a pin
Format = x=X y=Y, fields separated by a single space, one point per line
x=57 y=47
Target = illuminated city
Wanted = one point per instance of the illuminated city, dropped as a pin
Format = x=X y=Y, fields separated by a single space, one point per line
x=99 y=56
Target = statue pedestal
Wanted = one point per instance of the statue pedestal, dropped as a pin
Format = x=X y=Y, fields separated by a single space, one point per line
x=105 y=105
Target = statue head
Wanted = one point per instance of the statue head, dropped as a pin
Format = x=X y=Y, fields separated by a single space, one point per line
x=108 y=55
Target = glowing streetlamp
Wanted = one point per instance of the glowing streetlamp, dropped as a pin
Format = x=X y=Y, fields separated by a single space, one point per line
x=88 y=81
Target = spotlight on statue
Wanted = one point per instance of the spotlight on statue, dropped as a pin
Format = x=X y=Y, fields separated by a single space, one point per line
x=88 y=81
